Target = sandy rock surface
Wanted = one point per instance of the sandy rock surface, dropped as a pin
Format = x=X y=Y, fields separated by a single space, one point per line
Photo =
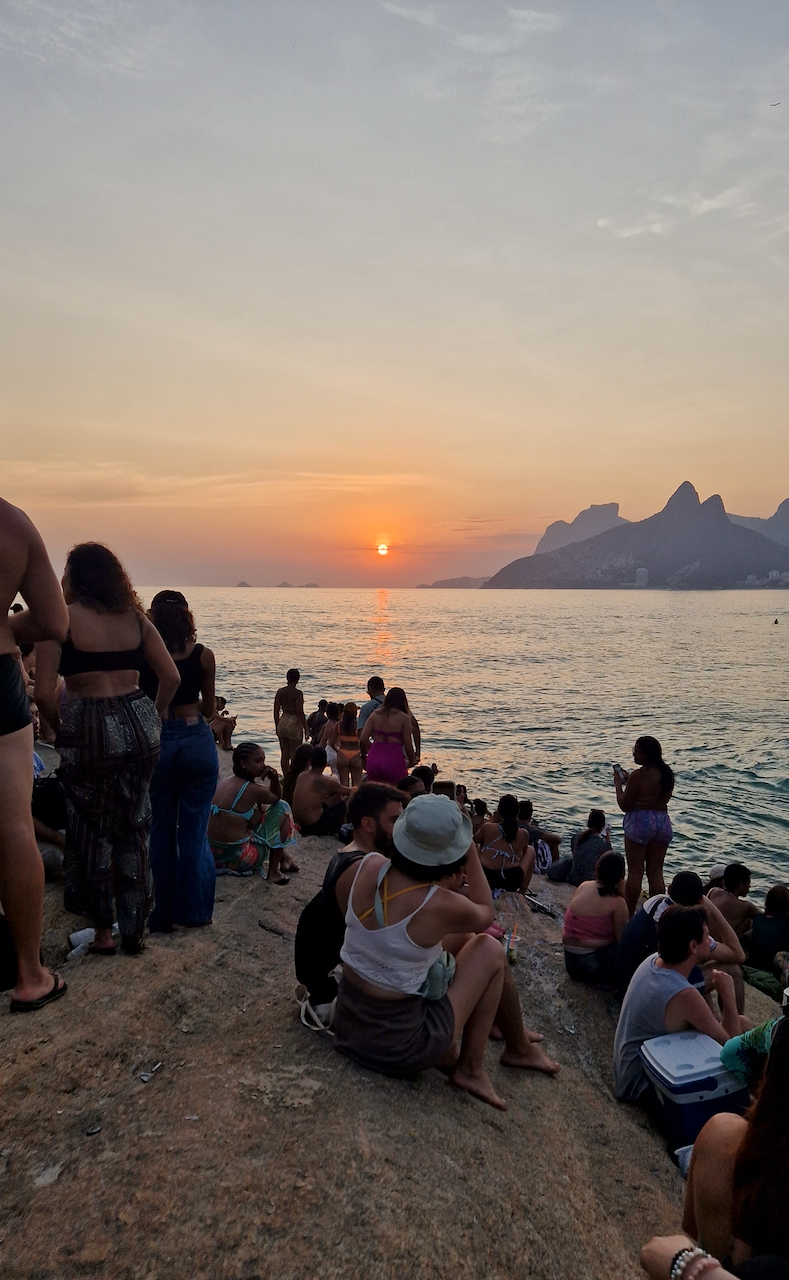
x=256 y=1151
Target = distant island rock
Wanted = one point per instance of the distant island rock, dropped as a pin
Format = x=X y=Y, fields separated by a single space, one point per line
x=243 y=584
x=689 y=544
x=587 y=524
x=775 y=526
x=284 y=584
x=458 y=584
x=311 y=584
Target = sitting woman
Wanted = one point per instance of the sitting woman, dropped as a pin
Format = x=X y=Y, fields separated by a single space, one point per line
x=222 y=724
x=251 y=825
x=392 y=749
x=769 y=937
x=587 y=847
x=595 y=921
x=738 y=1180
x=345 y=740
x=506 y=856
x=404 y=1004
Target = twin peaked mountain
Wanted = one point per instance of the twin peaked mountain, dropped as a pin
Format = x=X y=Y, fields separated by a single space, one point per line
x=687 y=544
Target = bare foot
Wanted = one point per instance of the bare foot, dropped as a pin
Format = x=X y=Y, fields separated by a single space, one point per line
x=533 y=1037
x=532 y=1059
x=479 y=1086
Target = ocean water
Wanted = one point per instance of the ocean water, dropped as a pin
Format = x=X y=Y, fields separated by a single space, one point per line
x=539 y=692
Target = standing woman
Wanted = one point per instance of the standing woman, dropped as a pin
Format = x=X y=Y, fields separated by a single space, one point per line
x=345 y=741
x=185 y=778
x=643 y=796
x=108 y=739
x=392 y=750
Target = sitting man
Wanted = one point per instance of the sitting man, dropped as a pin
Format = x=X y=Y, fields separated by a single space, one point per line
x=319 y=801
x=660 y=999
x=639 y=939
x=373 y=811
x=404 y=1003
x=537 y=833
x=732 y=899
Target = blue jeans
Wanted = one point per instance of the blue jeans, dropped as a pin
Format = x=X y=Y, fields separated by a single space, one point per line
x=182 y=789
x=595 y=966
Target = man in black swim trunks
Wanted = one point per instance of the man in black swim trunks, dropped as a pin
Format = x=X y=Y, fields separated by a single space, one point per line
x=24 y=568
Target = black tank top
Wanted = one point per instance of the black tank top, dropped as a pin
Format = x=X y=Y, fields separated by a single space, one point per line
x=191 y=673
x=77 y=662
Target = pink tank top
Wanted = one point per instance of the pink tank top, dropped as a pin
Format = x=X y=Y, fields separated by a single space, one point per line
x=580 y=929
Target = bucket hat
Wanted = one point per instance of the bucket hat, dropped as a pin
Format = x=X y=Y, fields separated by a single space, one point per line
x=432 y=831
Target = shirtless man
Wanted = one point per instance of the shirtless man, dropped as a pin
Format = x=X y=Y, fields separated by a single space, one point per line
x=318 y=800
x=732 y=899
x=24 y=568
x=289 y=720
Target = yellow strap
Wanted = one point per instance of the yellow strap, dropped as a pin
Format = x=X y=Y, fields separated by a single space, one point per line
x=390 y=897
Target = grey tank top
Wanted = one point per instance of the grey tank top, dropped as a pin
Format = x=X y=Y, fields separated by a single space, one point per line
x=642 y=1017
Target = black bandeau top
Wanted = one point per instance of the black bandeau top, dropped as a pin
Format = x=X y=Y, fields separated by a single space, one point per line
x=77 y=662
x=191 y=673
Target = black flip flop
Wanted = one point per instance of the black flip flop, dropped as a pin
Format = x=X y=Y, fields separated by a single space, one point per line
x=32 y=1006
x=93 y=950
x=285 y=880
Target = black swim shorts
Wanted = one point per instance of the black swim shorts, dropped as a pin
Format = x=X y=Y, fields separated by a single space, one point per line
x=14 y=706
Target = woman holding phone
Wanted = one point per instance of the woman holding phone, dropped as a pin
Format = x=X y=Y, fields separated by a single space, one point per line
x=643 y=796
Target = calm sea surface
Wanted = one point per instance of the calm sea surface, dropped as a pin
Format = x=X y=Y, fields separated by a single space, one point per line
x=538 y=692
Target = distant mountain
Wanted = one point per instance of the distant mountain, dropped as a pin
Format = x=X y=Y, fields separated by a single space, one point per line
x=687 y=544
x=458 y=584
x=587 y=524
x=242 y=584
x=775 y=526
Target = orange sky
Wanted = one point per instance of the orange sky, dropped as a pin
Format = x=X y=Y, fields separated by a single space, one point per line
x=280 y=286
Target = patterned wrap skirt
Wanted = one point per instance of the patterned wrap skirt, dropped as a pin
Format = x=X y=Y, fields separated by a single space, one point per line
x=108 y=752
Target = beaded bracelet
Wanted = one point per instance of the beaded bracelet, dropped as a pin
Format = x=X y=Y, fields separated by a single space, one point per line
x=682 y=1260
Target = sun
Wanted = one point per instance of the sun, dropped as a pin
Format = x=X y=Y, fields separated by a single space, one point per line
x=383 y=550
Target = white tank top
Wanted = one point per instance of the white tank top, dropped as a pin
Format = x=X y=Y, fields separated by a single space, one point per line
x=386 y=956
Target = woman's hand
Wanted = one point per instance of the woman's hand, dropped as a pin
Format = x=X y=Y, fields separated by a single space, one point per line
x=656 y=1256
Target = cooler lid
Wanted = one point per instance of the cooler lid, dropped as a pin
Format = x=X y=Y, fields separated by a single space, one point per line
x=683 y=1056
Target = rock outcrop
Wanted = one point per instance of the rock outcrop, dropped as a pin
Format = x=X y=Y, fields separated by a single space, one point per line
x=687 y=544
x=587 y=524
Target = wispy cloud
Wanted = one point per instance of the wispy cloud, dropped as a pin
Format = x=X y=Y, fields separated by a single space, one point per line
x=55 y=484
x=96 y=37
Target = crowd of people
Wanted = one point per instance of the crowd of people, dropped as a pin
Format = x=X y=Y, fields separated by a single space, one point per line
x=400 y=953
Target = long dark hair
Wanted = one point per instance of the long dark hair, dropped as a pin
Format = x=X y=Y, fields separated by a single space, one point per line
x=761 y=1169
x=170 y=614
x=299 y=761
x=348 y=719
x=508 y=812
x=396 y=700
x=652 y=752
x=609 y=871
x=98 y=580
x=594 y=825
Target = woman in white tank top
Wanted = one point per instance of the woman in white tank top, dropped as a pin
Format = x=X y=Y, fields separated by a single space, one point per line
x=391 y=1015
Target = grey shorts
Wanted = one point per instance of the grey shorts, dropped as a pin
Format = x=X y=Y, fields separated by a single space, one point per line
x=395 y=1037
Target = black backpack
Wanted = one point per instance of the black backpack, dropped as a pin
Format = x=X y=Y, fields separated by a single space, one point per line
x=638 y=941
x=320 y=933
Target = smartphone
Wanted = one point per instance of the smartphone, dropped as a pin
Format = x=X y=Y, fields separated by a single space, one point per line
x=620 y=773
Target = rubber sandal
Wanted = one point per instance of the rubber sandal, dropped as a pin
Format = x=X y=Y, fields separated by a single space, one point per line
x=132 y=946
x=283 y=880
x=31 y=1006
x=93 y=950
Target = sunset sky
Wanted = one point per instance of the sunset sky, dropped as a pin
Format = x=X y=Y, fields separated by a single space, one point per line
x=283 y=281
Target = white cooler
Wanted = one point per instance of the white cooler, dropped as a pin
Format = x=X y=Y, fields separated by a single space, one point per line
x=691 y=1083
